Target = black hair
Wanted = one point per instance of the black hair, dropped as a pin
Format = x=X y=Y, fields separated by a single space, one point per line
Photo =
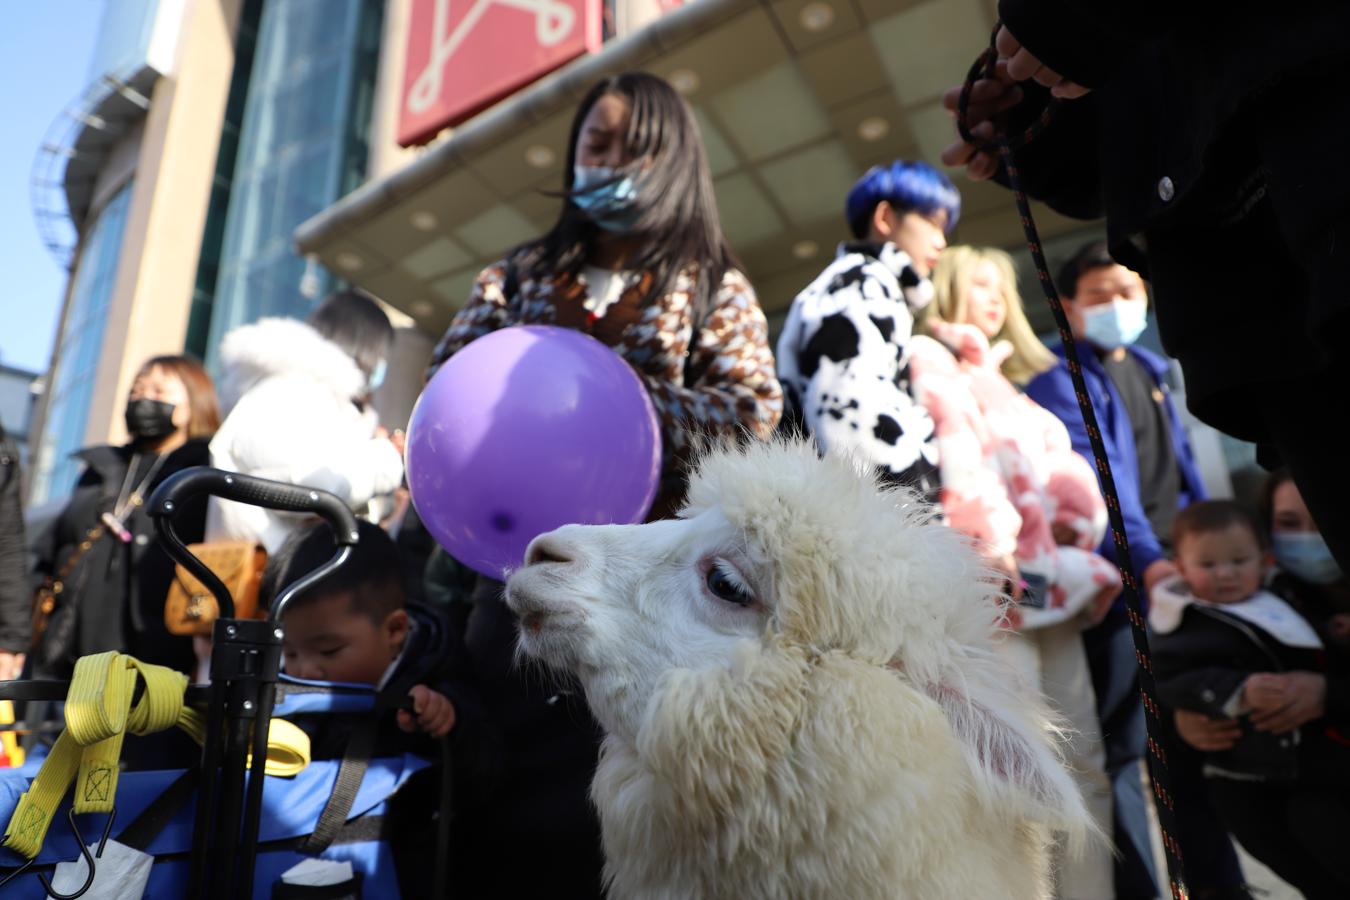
x=1265 y=504
x=373 y=574
x=676 y=207
x=354 y=322
x=1209 y=516
x=1088 y=257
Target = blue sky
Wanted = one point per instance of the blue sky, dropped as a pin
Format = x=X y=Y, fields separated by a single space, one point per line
x=45 y=48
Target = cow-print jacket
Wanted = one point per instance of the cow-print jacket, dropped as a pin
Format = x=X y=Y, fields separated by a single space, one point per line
x=721 y=386
x=844 y=368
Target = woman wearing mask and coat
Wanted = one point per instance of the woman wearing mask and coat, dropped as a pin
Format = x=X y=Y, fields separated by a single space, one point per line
x=112 y=597
x=637 y=260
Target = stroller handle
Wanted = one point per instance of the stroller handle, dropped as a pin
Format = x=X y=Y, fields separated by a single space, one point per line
x=169 y=497
x=181 y=486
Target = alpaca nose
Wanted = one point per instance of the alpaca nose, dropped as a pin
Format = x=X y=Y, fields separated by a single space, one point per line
x=550 y=548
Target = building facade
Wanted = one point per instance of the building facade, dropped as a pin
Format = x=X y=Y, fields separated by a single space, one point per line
x=263 y=152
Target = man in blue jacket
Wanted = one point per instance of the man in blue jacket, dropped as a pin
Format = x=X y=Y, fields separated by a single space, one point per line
x=1155 y=475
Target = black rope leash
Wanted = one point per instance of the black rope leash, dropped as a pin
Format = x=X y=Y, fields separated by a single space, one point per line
x=1157 y=756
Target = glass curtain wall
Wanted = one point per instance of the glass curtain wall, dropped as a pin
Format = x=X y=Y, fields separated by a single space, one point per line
x=302 y=145
x=78 y=350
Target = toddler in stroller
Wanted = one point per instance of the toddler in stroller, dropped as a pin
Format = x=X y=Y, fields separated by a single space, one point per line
x=347 y=805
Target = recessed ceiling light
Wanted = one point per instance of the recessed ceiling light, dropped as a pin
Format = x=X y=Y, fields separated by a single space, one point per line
x=684 y=80
x=349 y=262
x=539 y=156
x=422 y=308
x=424 y=220
x=873 y=128
x=805 y=249
x=816 y=16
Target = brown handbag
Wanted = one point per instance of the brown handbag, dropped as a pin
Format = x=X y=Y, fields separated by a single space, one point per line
x=191 y=608
x=44 y=598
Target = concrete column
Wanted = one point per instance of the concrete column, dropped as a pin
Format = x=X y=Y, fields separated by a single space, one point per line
x=152 y=294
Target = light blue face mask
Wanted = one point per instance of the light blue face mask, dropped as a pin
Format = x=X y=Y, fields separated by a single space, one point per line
x=606 y=197
x=1304 y=554
x=377 y=376
x=1115 y=324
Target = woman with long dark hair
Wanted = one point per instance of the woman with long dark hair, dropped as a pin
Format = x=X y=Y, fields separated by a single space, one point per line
x=636 y=259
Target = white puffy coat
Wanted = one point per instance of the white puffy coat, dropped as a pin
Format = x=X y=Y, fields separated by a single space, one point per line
x=287 y=394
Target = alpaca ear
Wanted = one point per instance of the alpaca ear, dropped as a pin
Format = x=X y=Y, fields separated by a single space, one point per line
x=1015 y=762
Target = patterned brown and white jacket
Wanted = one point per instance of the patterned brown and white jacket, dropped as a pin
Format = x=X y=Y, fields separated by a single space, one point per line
x=723 y=386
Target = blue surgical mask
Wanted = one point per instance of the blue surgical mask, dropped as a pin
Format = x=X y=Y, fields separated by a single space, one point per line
x=1304 y=554
x=607 y=197
x=377 y=376
x=1115 y=324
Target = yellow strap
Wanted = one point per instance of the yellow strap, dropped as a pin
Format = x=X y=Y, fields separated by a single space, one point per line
x=99 y=713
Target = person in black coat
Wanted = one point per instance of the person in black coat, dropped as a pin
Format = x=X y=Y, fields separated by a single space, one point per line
x=1210 y=135
x=112 y=597
x=1224 y=647
x=15 y=598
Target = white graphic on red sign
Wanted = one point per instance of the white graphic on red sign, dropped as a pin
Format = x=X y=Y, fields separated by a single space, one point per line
x=553 y=22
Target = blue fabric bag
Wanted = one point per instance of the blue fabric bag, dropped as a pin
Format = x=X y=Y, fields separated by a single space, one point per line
x=290 y=811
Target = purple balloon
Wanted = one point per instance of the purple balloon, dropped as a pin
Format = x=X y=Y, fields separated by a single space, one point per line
x=524 y=430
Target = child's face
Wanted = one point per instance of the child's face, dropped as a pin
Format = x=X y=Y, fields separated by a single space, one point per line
x=328 y=640
x=1223 y=566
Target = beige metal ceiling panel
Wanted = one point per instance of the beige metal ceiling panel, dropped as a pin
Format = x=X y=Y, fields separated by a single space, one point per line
x=770 y=112
x=810 y=23
x=408 y=225
x=876 y=10
x=436 y=257
x=844 y=70
x=535 y=156
x=721 y=158
x=872 y=128
x=747 y=215
x=810 y=183
x=454 y=289
x=928 y=48
x=489 y=234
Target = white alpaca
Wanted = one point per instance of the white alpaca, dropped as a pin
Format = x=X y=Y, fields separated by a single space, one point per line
x=799 y=694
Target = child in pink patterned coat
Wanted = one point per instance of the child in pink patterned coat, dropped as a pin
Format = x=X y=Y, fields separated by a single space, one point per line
x=1011 y=480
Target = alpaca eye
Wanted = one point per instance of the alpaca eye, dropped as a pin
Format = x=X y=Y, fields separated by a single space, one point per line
x=727 y=585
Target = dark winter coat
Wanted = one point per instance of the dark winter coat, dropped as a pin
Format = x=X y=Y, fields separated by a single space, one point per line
x=1202 y=663
x=114 y=598
x=1202 y=143
x=15 y=597
x=524 y=822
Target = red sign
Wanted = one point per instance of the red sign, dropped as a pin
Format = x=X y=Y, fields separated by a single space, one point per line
x=465 y=55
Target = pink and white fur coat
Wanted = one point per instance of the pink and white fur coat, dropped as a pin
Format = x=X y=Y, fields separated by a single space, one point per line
x=1009 y=472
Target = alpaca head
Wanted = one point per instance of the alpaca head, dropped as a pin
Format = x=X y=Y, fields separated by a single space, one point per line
x=777 y=547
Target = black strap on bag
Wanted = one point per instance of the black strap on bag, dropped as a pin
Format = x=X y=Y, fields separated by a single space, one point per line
x=351 y=772
x=143 y=830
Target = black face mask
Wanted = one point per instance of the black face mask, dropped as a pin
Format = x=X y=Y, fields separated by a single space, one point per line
x=150 y=419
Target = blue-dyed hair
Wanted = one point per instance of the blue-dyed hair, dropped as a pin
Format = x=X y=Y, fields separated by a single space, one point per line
x=907 y=186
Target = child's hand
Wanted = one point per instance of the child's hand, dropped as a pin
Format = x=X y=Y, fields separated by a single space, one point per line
x=433 y=712
x=1206 y=734
x=1262 y=691
x=1282 y=702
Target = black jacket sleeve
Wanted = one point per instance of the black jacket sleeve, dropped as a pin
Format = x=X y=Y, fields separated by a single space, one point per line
x=1062 y=166
x=15 y=619
x=1189 y=678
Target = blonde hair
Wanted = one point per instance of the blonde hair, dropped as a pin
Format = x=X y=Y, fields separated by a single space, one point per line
x=951 y=285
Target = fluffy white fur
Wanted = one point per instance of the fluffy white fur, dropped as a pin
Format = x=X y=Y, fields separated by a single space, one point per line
x=287 y=393
x=847 y=733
